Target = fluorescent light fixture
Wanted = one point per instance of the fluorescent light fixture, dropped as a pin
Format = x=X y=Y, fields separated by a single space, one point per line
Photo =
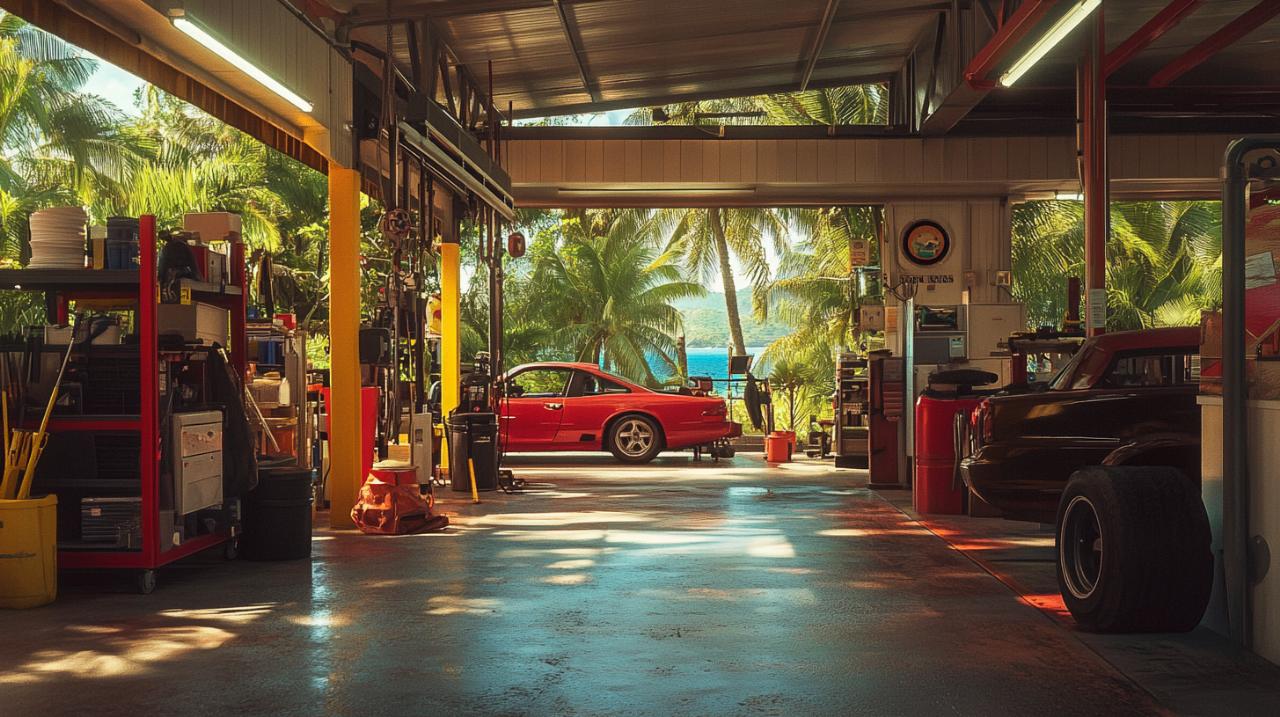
x=1060 y=29
x=202 y=36
x=1069 y=196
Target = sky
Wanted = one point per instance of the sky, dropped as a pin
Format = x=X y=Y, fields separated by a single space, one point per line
x=116 y=85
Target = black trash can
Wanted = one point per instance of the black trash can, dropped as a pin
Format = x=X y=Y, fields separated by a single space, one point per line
x=277 y=515
x=474 y=436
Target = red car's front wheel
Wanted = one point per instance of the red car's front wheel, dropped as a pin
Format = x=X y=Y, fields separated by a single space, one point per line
x=635 y=439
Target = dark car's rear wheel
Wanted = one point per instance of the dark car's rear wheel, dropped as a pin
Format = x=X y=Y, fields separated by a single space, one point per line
x=634 y=439
x=1133 y=549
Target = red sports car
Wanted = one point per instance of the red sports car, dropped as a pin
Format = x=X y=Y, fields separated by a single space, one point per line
x=577 y=406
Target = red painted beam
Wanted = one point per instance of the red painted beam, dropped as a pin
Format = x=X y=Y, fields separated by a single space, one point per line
x=1215 y=43
x=1163 y=22
x=1023 y=21
x=1095 y=180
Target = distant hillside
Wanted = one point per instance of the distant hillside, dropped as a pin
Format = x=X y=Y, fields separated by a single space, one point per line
x=705 y=323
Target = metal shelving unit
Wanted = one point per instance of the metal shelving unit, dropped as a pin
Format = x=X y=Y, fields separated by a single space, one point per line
x=852 y=402
x=62 y=286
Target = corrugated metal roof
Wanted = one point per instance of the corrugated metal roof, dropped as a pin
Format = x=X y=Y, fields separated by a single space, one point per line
x=646 y=52
x=637 y=52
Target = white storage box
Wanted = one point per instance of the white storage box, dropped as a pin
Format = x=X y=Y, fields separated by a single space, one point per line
x=194 y=322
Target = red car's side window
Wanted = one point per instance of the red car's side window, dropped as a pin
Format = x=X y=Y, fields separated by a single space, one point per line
x=539 y=383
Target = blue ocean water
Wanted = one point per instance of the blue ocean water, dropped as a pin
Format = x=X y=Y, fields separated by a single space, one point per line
x=710 y=361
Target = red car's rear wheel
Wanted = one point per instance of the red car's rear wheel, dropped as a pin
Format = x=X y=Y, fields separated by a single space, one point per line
x=635 y=439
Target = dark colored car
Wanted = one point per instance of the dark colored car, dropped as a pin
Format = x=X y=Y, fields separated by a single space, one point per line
x=1126 y=398
x=1110 y=453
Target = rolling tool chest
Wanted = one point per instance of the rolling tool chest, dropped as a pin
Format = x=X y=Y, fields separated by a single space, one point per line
x=135 y=442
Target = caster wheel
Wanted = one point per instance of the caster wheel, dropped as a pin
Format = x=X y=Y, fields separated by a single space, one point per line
x=231 y=549
x=146 y=582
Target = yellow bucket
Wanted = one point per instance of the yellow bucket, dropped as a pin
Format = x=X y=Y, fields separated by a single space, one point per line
x=28 y=551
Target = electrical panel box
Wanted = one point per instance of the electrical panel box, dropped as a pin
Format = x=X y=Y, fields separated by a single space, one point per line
x=197 y=460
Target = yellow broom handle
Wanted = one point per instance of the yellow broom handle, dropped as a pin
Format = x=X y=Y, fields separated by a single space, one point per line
x=475 y=493
x=39 y=439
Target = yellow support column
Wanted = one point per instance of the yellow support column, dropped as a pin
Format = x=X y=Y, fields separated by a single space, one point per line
x=450 y=338
x=344 y=341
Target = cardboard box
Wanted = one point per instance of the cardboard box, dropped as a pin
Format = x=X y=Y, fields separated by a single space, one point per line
x=213 y=226
x=195 y=322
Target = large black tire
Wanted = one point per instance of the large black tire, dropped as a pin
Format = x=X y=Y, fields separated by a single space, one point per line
x=634 y=438
x=1133 y=550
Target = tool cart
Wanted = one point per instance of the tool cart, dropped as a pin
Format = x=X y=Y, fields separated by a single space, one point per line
x=137 y=469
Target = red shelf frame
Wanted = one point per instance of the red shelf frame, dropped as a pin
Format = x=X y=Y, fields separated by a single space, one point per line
x=147 y=423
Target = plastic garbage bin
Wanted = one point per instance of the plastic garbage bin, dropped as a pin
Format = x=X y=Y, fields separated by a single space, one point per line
x=277 y=515
x=474 y=436
x=28 y=552
x=777 y=447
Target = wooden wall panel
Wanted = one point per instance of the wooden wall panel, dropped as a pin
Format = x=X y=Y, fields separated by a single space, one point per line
x=858 y=166
x=615 y=159
x=575 y=161
x=691 y=160
x=767 y=161
x=787 y=160
x=651 y=160
x=846 y=162
x=731 y=161
x=671 y=161
x=806 y=161
x=711 y=162
x=552 y=160
x=594 y=160
x=634 y=169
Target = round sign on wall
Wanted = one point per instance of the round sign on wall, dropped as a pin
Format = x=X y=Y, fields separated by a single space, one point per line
x=926 y=243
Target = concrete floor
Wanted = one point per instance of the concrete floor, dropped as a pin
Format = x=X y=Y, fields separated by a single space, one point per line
x=671 y=589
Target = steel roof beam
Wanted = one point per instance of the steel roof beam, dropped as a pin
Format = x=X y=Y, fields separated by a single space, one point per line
x=566 y=26
x=824 y=28
x=1163 y=22
x=1215 y=43
x=1023 y=21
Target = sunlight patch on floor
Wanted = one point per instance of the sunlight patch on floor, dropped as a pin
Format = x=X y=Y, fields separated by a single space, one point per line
x=458 y=605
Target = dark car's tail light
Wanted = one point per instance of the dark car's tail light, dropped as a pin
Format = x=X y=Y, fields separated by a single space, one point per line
x=982 y=429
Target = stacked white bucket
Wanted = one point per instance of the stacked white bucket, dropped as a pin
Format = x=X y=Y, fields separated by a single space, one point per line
x=57 y=238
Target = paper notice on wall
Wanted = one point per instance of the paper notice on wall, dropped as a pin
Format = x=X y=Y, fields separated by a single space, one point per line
x=859 y=252
x=1259 y=270
x=1097 y=309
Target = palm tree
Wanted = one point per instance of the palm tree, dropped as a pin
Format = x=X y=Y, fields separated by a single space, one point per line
x=608 y=293
x=1163 y=260
x=817 y=291
x=708 y=241
x=833 y=106
x=200 y=164
x=58 y=144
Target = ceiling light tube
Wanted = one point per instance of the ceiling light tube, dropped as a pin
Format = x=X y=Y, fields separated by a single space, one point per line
x=1056 y=33
x=214 y=45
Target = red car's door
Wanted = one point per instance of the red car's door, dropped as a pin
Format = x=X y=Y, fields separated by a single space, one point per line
x=531 y=414
x=590 y=402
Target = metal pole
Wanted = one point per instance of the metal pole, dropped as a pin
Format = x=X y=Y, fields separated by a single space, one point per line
x=1095 y=178
x=1235 y=427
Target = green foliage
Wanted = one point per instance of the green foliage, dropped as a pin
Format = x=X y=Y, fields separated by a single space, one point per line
x=608 y=292
x=1164 y=261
